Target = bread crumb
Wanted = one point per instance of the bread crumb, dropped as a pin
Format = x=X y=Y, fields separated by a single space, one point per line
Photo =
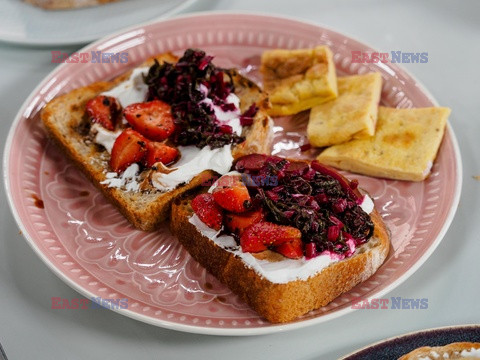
x=477 y=177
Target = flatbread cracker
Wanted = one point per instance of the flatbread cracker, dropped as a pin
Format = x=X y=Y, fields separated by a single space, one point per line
x=404 y=147
x=298 y=80
x=352 y=115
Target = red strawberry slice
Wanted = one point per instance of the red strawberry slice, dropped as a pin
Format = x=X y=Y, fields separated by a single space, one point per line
x=292 y=249
x=268 y=234
x=237 y=223
x=130 y=147
x=252 y=244
x=231 y=194
x=208 y=211
x=103 y=110
x=151 y=119
x=159 y=152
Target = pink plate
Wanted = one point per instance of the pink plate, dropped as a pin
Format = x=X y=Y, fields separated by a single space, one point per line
x=89 y=245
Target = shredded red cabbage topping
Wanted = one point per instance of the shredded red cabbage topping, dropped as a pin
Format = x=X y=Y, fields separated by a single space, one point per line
x=184 y=86
x=315 y=199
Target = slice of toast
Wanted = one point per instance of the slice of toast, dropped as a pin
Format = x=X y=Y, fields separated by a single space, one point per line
x=453 y=351
x=298 y=80
x=404 y=146
x=279 y=302
x=352 y=115
x=64 y=119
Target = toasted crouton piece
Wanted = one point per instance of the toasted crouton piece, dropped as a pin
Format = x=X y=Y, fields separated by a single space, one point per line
x=352 y=115
x=298 y=80
x=404 y=147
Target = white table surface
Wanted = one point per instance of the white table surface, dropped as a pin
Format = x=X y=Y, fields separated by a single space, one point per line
x=448 y=30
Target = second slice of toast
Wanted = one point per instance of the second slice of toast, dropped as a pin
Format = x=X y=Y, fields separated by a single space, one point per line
x=277 y=300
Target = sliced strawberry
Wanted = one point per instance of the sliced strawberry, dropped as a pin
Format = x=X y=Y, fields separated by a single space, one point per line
x=159 y=152
x=252 y=244
x=103 y=110
x=151 y=119
x=292 y=249
x=231 y=194
x=237 y=223
x=130 y=147
x=208 y=211
x=268 y=234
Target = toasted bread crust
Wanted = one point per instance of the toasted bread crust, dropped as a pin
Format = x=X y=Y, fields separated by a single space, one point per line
x=64 y=115
x=453 y=350
x=279 y=303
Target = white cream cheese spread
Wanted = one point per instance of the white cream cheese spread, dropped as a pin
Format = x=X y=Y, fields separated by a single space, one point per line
x=104 y=137
x=193 y=160
x=128 y=179
x=367 y=204
x=134 y=90
x=279 y=272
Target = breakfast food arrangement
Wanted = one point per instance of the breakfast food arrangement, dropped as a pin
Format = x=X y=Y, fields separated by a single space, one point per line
x=287 y=236
x=236 y=175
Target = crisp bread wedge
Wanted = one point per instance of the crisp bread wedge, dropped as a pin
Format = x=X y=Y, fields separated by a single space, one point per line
x=65 y=122
x=453 y=351
x=404 y=147
x=279 y=302
x=352 y=115
x=298 y=80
